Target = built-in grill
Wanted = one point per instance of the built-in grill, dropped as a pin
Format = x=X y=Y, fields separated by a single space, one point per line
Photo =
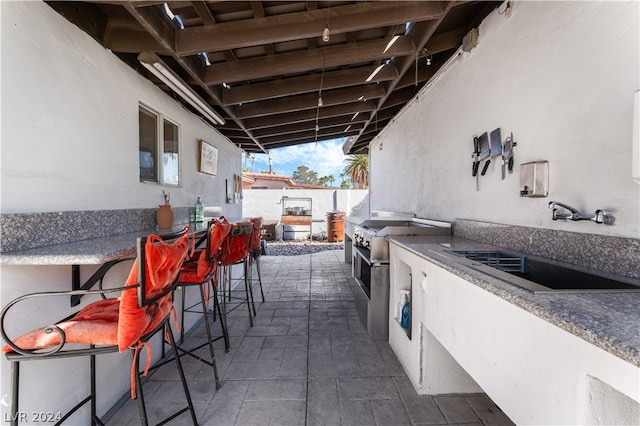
x=371 y=265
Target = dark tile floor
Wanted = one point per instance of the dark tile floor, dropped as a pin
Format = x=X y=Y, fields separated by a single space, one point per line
x=306 y=361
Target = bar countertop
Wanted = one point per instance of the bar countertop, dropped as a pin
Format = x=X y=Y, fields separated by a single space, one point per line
x=92 y=251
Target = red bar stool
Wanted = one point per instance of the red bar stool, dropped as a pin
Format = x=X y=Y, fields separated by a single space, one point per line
x=235 y=251
x=110 y=325
x=256 y=248
x=201 y=271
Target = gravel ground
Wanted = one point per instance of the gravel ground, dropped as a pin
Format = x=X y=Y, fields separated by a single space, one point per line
x=298 y=247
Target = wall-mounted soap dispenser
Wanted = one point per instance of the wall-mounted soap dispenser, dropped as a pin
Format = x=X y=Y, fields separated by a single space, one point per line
x=534 y=179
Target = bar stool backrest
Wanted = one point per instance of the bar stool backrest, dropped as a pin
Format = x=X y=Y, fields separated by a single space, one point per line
x=155 y=272
x=236 y=245
x=217 y=231
x=162 y=261
x=255 y=235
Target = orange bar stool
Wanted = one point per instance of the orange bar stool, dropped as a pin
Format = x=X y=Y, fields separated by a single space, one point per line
x=201 y=271
x=235 y=251
x=256 y=248
x=110 y=325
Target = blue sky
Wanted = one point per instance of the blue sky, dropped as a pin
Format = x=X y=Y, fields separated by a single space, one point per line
x=324 y=158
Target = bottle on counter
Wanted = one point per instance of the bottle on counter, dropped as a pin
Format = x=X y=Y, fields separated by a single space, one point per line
x=199 y=211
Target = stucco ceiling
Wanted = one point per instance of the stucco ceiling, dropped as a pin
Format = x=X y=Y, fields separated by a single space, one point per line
x=268 y=63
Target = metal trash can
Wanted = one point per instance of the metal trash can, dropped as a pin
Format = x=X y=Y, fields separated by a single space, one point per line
x=335 y=226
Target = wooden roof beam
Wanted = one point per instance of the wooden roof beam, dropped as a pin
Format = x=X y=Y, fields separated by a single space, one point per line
x=310 y=101
x=305 y=84
x=302 y=25
x=342 y=122
x=310 y=114
x=296 y=62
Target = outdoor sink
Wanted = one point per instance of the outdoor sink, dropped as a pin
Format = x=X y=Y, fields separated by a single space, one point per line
x=541 y=275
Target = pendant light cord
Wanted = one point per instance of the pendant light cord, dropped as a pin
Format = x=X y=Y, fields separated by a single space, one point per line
x=324 y=64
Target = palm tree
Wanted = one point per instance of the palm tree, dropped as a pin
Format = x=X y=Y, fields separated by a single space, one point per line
x=357 y=169
x=344 y=180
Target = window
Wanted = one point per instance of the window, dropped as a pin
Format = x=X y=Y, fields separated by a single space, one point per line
x=171 y=154
x=159 y=150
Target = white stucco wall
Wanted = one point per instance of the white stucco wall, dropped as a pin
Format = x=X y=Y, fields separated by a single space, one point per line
x=70 y=142
x=70 y=124
x=267 y=203
x=560 y=76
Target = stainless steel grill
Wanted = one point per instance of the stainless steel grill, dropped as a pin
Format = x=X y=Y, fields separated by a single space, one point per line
x=371 y=265
x=371 y=234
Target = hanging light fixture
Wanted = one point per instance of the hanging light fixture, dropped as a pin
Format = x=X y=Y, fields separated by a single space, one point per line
x=325 y=34
x=157 y=67
x=320 y=102
x=428 y=58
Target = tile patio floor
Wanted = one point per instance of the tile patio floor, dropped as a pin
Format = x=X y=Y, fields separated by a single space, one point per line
x=306 y=361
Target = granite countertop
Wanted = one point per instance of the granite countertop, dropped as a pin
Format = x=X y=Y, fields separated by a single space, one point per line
x=92 y=251
x=608 y=320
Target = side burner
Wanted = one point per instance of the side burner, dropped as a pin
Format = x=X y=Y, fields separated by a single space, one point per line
x=370 y=234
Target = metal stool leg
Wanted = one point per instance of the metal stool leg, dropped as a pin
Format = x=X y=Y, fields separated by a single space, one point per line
x=183 y=379
x=257 y=260
x=229 y=278
x=247 y=287
x=139 y=395
x=248 y=281
x=94 y=415
x=182 y=315
x=207 y=326
x=15 y=384
x=223 y=321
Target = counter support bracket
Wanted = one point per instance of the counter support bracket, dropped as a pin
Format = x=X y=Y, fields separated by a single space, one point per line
x=97 y=276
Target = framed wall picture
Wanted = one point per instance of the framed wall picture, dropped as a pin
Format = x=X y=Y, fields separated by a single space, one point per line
x=208 y=158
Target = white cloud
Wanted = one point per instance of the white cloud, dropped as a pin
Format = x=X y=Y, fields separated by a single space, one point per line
x=324 y=158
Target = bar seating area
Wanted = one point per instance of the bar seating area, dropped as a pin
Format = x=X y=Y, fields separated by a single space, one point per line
x=110 y=324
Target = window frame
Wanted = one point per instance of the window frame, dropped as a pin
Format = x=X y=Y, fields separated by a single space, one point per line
x=161 y=170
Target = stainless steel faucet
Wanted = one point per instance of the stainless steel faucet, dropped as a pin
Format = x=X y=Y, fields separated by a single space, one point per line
x=600 y=216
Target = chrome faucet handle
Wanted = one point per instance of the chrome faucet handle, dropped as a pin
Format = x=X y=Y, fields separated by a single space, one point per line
x=602 y=216
x=574 y=215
